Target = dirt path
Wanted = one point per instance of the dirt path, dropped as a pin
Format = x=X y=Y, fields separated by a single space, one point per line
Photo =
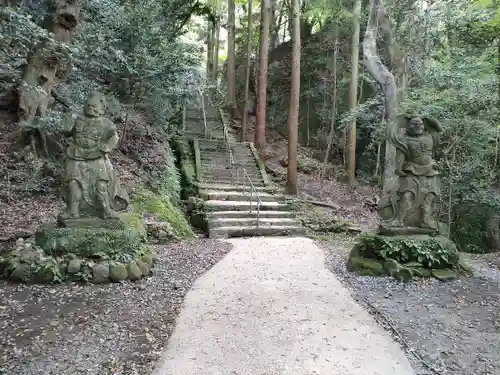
x=271 y=307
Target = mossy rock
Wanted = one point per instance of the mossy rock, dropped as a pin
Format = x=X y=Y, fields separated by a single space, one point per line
x=444 y=274
x=29 y=263
x=365 y=266
x=146 y=202
x=428 y=251
x=405 y=257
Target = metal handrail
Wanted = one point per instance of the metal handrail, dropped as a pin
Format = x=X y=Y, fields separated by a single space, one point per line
x=233 y=165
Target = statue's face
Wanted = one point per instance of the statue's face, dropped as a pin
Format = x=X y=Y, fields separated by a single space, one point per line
x=416 y=126
x=95 y=105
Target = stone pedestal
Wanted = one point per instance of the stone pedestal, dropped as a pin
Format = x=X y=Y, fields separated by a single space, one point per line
x=405 y=256
x=83 y=249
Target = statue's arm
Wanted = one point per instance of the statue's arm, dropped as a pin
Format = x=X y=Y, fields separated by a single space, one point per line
x=68 y=124
x=112 y=140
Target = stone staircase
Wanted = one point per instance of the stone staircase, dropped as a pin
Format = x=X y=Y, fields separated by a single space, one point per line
x=231 y=205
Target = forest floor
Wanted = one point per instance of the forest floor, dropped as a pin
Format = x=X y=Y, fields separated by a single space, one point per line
x=114 y=329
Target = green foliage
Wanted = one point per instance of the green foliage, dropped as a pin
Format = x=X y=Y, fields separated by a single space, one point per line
x=161 y=207
x=430 y=252
x=166 y=180
x=118 y=244
x=319 y=221
x=183 y=151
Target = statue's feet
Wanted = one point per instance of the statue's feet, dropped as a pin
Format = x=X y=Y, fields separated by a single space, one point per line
x=66 y=215
x=394 y=223
x=428 y=225
x=110 y=214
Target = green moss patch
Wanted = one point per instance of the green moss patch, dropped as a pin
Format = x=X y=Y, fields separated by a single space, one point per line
x=27 y=262
x=123 y=243
x=405 y=257
x=146 y=202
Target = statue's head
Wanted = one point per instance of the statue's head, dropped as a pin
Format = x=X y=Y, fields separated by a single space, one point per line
x=96 y=105
x=415 y=126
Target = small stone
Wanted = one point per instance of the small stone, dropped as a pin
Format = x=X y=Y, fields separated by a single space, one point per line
x=143 y=267
x=29 y=256
x=148 y=259
x=134 y=272
x=20 y=273
x=403 y=274
x=118 y=272
x=444 y=275
x=20 y=242
x=100 y=272
x=391 y=266
x=74 y=266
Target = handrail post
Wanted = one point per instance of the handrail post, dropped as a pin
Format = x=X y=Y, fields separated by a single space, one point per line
x=184 y=114
x=204 y=113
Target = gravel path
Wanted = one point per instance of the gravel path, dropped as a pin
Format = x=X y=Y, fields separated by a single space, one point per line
x=117 y=329
x=271 y=307
x=453 y=326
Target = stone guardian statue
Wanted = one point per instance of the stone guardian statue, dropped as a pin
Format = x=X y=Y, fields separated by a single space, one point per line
x=91 y=187
x=414 y=203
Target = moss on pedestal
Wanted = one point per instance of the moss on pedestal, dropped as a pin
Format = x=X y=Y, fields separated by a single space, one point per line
x=405 y=257
x=99 y=254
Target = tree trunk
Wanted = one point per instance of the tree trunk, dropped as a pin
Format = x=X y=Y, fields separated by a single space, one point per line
x=216 y=52
x=293 y=110
x=386 y=81
x=353 y=95
x=48 y=64
x=260 y=127
x=333 y=115
x=210 y=50
x=247 y=72
x=231 y=67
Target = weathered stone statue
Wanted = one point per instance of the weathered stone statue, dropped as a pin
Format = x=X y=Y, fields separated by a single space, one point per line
x=91 y=187
x=413 y=203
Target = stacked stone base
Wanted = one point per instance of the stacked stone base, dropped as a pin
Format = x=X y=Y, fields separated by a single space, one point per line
x=97 y=253
x=406 y=256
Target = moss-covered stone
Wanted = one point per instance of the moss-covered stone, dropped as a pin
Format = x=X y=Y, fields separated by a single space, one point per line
x=148 y=259
x=145 y=269
x=365 y=266
x=404 y=257
x=134 y=272
x=124 y=243
x=74 y=266
x=118 y=272
x=145 y=201
x=403 y=274
x=444 y=274
x=100 y=272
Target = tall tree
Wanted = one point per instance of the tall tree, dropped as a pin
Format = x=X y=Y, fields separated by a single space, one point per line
x=260 y=128
x=210 y=50
x=386 y=81
x=231 y=62
x=216 y=51
x=293 y=109
x=247 y=70
x=333 y=115
x=353 y=95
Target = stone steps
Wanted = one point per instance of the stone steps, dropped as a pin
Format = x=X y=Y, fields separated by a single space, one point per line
x=252 y=221
x=247 y=214
x=217 y=205
x=230 y=209
x=228 y=187
x=239 y=196
x=252 y=231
